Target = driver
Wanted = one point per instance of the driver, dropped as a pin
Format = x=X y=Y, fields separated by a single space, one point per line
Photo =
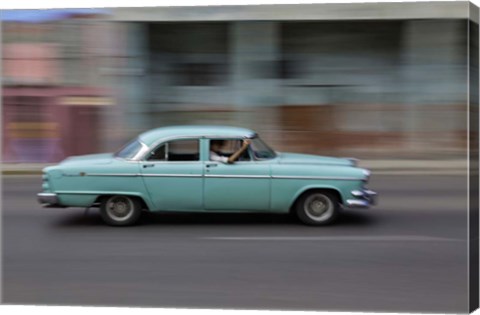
x=217 y=155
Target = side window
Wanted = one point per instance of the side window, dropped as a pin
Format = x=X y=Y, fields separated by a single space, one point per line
x=159 y=154
x=227 y=147
x=177 y=150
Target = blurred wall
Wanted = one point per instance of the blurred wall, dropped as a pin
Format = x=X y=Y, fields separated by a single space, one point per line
x=373 y=81
x=371 y=88
x=53 y=94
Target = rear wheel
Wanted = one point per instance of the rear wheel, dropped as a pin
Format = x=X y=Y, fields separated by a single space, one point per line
x=120 y=210
x=318 y=208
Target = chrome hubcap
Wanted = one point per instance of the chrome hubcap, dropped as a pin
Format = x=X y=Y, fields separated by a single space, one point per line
x=318 y=207
x=119 y=208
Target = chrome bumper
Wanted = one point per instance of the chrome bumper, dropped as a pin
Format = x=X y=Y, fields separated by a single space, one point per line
x=364 y=199
x=48 y=199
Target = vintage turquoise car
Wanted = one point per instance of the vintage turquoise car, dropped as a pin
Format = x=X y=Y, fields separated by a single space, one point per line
x=176 y=169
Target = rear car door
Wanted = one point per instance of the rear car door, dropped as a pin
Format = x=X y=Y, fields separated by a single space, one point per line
x=173 y=175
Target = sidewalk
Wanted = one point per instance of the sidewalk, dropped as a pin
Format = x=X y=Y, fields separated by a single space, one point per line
x=416 y=167
x=380 y=167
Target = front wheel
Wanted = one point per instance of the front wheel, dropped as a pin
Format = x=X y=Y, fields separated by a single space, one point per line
x=120 y=210
x=318 y=208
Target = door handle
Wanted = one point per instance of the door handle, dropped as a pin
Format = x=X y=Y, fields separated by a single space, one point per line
x=211 y=165
x=148 y=165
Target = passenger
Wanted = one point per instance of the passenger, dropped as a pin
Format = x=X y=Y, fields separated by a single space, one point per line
x=217 y=155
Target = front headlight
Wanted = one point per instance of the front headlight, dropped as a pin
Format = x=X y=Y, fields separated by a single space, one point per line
x=366 y=173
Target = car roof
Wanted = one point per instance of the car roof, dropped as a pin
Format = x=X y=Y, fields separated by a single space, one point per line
x=152 y=136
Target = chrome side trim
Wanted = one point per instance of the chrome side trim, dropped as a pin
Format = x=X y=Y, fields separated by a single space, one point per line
x=316 y=177
x=146 y=175
x=68 y=192
x=170 y=162
x=236 y=176
x=98 y=192
x=171 y=175
x=313 y=163
x=218 y=176
x=110 y=174
x=283 y=177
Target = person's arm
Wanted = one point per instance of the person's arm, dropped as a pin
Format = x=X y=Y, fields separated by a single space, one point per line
x=217 y=158
x=239 y=152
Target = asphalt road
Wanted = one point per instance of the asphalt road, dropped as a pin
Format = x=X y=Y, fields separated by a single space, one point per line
x=409 y=253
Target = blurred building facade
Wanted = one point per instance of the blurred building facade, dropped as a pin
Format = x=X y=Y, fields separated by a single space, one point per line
x=370 y=80
x=51 y=90
x=374 y=80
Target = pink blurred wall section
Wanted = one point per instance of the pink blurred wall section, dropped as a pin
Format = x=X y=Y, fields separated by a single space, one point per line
x=32 y=63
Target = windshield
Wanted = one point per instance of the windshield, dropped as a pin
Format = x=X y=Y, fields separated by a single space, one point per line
x=129 y=150
x=261 y=150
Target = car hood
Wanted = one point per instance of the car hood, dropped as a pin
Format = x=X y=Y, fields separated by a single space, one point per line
x=102 y=158
x=295 y=158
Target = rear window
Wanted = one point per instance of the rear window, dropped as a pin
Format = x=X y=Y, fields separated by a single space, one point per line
x=178 y=150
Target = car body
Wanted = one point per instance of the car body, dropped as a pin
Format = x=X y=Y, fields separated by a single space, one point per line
x=169 y=169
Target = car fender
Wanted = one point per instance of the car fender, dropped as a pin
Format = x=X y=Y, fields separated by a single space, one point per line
x=145 y=199
x=315 y=186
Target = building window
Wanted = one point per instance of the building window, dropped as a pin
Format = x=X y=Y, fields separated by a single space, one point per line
x=199 y=74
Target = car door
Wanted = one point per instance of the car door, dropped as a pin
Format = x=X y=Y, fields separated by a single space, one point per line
x=173 y=175
x=241 y=186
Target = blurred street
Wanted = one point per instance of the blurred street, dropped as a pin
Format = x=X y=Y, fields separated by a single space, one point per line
x=405 y=254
